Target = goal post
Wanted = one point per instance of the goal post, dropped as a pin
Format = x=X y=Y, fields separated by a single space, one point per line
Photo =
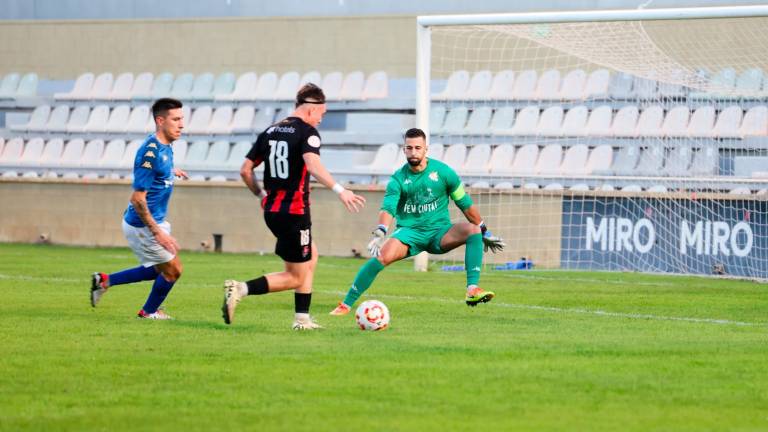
x=623 y=140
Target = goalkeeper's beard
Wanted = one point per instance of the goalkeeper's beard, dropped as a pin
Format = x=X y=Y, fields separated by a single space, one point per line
x=414 y=162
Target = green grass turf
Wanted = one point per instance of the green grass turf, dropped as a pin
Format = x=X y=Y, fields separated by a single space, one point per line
x=554 y=351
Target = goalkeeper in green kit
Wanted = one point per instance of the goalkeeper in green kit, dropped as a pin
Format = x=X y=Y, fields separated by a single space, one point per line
x=417 y=196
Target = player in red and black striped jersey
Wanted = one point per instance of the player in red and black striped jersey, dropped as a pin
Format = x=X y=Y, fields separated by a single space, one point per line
x=290 y=151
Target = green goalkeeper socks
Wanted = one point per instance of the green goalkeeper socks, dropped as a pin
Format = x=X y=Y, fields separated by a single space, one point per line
x=473 y=258
x=365 y=278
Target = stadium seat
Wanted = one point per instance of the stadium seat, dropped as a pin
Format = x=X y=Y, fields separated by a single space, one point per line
x=352 y=87
x=678 y=161
x=51 y=153
x=129 y=156
x=245 y=88
x=502 y=119
x=383 y=161
x=9 y=85
x=575 y=161
x=287 y=86
x=455 y=87
x=553 y=187
x=605 y=187
x=550 y=122
x=572 y=86
x=264 y=118
x=501 y=160
x=671 y=87
x=96 y=121
x=57 y=122
x=722 y=84
x=102 y=87
x=750 y=82
x=72 y=153
x=266 y=87
x=78 y=119
x=649 y=123
x=242 y=120
x=479 y=121
x=477 y=160
x=196 y=155
x=121 y=89
x=620 y=86
x=200 y=120
x=455 y=155
x=651 y=161
x=376 y=86
x=504 y=186
x=237 y=155
x=161 y=86
x=217 y=155
x=728 y=123
x=501 y=86
x=675 y=123
x=600 y=160
x=27 y=86
x=224 y=84
x=525 y=160
x=597 y=84
x=706 y=162
x=575 y=122
x=2 y=146
x=702 y=122
x=530 y=186
x=142 y=86
x=656 y=189
x=599 y=122
x=549 y=160
x=645 y=88
x=526 y=122
x=755 y=122
x=579 y=187
x=113 y=154
x=182 y=86
x=626 y=161
x=482 y=184
x=137 y=120
x=37 y=120
x=632 y=188
x=740 y=191
x=92 y=153
x=436 y=119
x=313 y=77
x=32 y=152
x=456 y=120
x=332 y=85
x=202 y=87
x=548 y=85
x=479 y=86
x=625 y=122
x=221 y=121
x=118 y=119
x=435 y=151
x=82 y=87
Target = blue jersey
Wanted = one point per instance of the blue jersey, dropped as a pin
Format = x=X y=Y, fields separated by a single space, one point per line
x=152 y=172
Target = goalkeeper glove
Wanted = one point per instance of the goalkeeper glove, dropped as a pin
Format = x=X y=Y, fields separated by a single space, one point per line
x=379 y=237
x=490 y=241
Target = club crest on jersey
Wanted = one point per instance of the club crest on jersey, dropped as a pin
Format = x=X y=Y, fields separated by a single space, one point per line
x=314 y=141
x=149 y=153
x=146 y=164
x=165 y=158
x=433 y=176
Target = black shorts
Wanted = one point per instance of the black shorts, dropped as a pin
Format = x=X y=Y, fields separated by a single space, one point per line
x=294 y=236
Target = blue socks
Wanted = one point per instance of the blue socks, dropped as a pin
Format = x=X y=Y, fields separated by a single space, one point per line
x=136 y=274
x=160 y=290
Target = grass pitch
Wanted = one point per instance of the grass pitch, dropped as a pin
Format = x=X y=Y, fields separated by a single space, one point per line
x=554 y=351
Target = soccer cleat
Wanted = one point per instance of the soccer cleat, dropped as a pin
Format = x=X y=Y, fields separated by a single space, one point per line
x=157 y=315
x=478 y=295
x=341 y=309
x=231 y=299
x=305 y=324
x=98 y=287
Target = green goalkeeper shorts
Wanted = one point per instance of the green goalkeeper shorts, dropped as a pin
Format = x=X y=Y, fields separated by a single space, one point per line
x=420 y=239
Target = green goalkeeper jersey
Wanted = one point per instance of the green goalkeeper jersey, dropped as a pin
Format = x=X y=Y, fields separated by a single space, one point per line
x=421 y=199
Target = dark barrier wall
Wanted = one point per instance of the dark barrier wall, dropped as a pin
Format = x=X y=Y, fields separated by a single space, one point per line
x=666 y=235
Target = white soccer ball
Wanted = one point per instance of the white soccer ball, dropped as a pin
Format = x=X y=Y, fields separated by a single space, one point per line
x=372 y=315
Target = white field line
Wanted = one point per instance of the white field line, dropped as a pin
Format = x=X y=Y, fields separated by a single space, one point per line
x=552 y=309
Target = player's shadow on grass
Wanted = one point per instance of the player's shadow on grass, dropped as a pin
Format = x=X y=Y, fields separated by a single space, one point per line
x=213 y=325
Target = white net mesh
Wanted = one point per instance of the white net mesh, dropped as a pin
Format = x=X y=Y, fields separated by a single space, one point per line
x=634 y=145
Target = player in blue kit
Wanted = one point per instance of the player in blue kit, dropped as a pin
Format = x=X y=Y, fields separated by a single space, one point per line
x=144 y=224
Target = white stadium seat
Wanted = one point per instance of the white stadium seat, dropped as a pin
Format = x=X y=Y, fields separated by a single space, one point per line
x=625 y=122
x=479 y=86
x=677 y=162
x=702 y=122
x=676 y=122
x=575 y=160
x=51 y=152
x=502 y=119
x=501 y=159
x=597 y=84
x=182 y=86
x=504 y=186
x=705 y=162
x=550 y=122
x=649 y=123
x=376 y=86
x=92 y=153
x=656 y=189
x=479 y=121
x=626 y=161
x=645 y=88
x=142 y=86
x=526 y=123
x=121 y=89
x=553 y=187
x=632 y=188
x=264 y=118
x=728 y=122
x=72 y=153
x=435 y=151
x=96 y=121
x=455 y=87
x=245 y=88
x=57 y=122
x=352 y=87
x=221 y=120
x=9 y=85
x=573 y=84
x=82 y=87
x=161 y=86
x=383 y=161
x=525 y=160
x=332 y=85
x=750 y=81
x=118 y=119
x=102 y=87
x=600 y=160
x=548 y=85
x=32 y=152
x=224 y=84
x=78 y=119
x=266 y=88
x=575 y=122
x=196 y=155
x=200 y=120
x=502 y=85
x=137 y=120
x=456 y=120
x=620 y=86
x=600 y=121
x=287 y=86
x=436 y=119
x=455 y=155
x=217 y=155
x=313 y=77
x=37 y=120
x=113 y=153
x=12 y=151
x=129 y=156
x=202 y=87
x=242 y=120
x=477 y=160
x=27 y=86
x=651 y=161
x=237 y=155
x=755 y=122
x=549 y=160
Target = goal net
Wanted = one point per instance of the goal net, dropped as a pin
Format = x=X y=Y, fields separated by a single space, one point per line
x=613 y=140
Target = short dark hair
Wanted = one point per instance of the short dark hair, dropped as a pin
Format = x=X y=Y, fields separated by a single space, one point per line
x=310 y=93
x=161 y=106
x=415 y=133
